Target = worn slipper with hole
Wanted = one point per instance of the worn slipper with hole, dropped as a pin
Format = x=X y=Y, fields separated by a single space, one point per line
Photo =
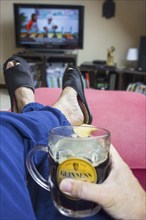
x=72 y=78
x=17 y=76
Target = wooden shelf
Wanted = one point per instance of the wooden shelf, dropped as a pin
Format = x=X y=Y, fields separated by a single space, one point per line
x=43 y=59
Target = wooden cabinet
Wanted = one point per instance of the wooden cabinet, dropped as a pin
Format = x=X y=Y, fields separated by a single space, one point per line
x=127 y=76
x=43 y=63
x=100 y=76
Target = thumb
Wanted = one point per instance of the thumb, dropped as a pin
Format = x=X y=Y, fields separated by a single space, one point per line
x=84 y=190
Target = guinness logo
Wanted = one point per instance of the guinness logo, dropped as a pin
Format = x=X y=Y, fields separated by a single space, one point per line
x=76 y=168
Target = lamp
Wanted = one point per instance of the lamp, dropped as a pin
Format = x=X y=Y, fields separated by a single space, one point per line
x=132 y=56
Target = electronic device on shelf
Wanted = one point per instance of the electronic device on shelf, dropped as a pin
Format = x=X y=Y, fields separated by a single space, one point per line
x=97 y=65
x=99 y=62
x=49 y=27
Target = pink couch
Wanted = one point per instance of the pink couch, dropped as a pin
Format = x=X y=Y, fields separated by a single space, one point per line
x=123 y=114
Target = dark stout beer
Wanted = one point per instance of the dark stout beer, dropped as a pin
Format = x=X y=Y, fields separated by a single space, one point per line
x=64 y=202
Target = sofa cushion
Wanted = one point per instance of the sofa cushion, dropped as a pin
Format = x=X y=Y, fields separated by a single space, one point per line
x=123 y=113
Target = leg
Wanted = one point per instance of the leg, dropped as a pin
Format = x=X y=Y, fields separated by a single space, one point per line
x=35 y=127
x=18 y=75
x=15 y=200
x=68 y=103
x=25 y=131
x=13 y=156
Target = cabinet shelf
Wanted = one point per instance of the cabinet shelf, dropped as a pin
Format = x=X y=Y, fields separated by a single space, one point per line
x=100 y=76
x=41 y=62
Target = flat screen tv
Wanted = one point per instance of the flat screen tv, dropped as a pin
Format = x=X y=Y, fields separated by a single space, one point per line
x=48 y=26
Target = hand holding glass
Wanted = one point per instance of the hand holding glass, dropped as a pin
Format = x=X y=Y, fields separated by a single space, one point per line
x=77 y=152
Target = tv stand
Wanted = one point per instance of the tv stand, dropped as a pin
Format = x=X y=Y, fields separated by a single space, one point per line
x=39 y=62
x=46 y=51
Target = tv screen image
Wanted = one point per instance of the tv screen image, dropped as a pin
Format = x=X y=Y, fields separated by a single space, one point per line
x=49 y=26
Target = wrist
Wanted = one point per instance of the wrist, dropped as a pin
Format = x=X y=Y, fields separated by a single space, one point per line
x=139 y=209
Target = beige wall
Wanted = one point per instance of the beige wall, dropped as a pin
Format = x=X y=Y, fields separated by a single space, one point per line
x=122 y=31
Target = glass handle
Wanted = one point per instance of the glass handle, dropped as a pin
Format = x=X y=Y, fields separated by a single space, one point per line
x=32 y=168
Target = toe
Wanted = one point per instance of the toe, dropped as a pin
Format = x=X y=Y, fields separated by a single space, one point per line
x=11 y=64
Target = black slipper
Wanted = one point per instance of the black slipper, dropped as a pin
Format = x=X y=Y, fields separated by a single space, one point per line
x=72 y=78
x=17 y=76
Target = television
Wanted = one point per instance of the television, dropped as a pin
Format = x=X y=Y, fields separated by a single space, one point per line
x=49 y=27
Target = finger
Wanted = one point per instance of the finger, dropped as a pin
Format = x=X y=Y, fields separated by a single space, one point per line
x=85 y=190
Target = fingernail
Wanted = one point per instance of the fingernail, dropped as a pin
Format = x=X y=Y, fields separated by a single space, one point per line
x=66 y=186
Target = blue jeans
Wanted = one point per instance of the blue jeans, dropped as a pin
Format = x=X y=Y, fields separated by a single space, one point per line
x=20 y=197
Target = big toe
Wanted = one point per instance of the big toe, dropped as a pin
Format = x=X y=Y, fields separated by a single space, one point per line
x=11 y=64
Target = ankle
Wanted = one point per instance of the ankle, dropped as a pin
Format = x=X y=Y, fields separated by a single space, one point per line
x=69 y=106
x=23 y=96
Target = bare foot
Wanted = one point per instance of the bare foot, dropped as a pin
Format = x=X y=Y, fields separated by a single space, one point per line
x=23 y=95
x=68 y=105
x=67 y=102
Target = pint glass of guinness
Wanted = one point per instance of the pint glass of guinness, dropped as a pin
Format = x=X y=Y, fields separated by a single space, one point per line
x=77 y=152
